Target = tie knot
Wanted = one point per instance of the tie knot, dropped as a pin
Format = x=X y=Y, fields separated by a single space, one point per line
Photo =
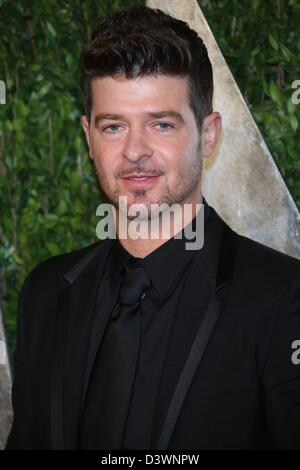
x=134 y=284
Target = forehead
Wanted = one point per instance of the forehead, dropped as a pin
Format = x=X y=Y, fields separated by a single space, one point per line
x=164 y=89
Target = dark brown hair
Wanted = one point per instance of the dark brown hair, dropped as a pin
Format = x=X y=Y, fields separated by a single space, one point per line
x=140 y=41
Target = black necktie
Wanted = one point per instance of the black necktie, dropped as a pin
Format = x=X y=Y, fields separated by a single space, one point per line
x=108 y=396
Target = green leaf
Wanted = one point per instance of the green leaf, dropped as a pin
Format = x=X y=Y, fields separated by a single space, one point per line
x=53 y=248
x=51 y=29
x=285 y=52
x=44 y=89
x=273 y=41
x=294 y=122
x=275 y=93
x=291 y=107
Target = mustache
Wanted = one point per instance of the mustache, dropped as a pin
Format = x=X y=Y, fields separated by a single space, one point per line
x=138 y=170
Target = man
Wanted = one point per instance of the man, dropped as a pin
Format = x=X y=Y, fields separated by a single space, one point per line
x=140 y=343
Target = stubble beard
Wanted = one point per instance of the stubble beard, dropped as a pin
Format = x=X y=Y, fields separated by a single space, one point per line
x=187 y=181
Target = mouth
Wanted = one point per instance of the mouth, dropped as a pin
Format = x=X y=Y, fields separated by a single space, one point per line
x=139 y=180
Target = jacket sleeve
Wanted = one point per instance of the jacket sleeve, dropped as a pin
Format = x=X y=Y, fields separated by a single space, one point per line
x=22 y=431
x=281 y=375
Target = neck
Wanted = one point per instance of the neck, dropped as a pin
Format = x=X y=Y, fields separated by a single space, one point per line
x=142 y=237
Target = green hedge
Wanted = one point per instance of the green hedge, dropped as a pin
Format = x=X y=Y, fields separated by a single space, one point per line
x=48 y=191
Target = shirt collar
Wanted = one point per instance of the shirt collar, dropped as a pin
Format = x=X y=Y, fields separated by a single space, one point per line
x=165 y=264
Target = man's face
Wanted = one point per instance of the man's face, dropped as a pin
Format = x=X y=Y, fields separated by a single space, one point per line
x=144 y=140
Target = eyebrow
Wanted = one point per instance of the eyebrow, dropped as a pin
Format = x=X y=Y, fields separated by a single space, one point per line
x=156 y=115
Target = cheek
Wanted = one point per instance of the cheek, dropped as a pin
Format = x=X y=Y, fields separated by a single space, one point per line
x=104 y=157
x=177 y=155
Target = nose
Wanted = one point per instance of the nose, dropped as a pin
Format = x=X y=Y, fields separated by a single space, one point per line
x=136 y=146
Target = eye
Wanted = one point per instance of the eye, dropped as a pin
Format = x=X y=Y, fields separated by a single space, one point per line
x=164 y=126
x=112 y=128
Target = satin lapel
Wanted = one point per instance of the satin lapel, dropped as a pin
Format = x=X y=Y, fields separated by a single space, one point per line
x=197 y=350
x=75 y=308
x=216 y=263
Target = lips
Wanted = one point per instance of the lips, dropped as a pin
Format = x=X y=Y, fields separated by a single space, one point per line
x=137 y=179
x=138 y=176
x=140 y=180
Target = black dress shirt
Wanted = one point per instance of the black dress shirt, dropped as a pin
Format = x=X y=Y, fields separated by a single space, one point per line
x=169 y=268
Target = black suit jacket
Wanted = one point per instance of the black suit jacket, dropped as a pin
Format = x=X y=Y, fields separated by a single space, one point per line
x=239 y=386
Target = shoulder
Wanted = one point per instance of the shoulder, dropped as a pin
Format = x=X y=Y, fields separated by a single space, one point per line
x=254 y=256
x=262 y=272
x=65 y=264
x=251 y=259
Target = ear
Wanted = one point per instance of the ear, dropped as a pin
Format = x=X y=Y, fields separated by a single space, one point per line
x=86 y=129
x=210 y=133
